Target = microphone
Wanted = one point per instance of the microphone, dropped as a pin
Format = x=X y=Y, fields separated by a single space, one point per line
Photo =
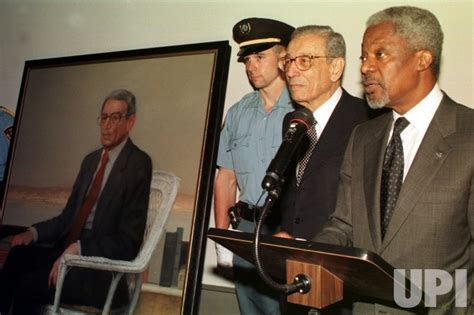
x=301 y=120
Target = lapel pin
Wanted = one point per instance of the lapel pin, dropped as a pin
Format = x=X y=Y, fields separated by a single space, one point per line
x=438 y=155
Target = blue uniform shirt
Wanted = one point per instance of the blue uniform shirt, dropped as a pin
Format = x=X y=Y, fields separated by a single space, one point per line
x=250 y=139
x=6 y=126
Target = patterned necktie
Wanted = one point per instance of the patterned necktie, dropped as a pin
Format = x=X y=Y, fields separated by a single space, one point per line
x=89 y=202
x=313 y=139
x=392 y=173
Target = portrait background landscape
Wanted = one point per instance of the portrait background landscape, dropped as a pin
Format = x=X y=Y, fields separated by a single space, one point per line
x=180 y=92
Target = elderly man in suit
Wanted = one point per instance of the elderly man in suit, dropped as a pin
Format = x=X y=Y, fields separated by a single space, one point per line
x=406 y=188
x=105 y=216
x=314 y=64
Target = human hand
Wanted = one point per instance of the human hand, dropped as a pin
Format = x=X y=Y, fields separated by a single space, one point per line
x=224 y=256
x=24 y=238
x=283 y=234
x=53 y=274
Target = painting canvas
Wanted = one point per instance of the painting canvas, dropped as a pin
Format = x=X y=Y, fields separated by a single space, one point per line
x=180 y=93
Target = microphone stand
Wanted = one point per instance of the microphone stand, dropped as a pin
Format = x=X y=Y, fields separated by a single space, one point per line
x=300 y=122
x=301 y=282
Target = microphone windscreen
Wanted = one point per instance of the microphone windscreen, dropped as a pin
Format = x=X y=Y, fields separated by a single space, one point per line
x=303 y=115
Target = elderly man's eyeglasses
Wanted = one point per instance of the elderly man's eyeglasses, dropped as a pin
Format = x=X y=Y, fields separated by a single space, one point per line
x=302 y=63
x=113 y=118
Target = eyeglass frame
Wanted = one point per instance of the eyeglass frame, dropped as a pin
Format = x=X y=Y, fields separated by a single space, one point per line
x=103 y=118
x=283 y=60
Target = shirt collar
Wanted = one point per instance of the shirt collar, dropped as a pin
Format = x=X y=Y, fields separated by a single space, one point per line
x=283 y=100
x=422 y=113
x=114 y=153
x=324 y=112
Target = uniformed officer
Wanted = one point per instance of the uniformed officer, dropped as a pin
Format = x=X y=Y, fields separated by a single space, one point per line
x=250 y=137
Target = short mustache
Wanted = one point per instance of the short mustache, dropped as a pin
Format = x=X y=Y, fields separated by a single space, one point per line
x=369 y=80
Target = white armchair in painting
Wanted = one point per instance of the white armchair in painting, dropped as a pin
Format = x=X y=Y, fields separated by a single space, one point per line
x=164 y=188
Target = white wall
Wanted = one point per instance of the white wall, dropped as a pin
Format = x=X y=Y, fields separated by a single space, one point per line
x=36 y=29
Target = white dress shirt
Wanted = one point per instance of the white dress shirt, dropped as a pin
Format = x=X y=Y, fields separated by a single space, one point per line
x=419 y=117
x=323 y=113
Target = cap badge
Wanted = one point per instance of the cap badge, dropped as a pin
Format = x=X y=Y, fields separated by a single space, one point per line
x=245 y=28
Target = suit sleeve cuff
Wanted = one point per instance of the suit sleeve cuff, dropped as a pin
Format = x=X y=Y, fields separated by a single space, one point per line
x=33 y=231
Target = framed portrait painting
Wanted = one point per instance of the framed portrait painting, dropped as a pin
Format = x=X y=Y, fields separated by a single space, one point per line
x=180 y=93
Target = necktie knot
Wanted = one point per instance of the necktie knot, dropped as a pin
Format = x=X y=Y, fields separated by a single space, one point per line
x=400 y=125
x=105 y=158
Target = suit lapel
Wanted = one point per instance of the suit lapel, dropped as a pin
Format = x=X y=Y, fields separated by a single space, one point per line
x=374 y=151
x=430 y=156
x=328 y=143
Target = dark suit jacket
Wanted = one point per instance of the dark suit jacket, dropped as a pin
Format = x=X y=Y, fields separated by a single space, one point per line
x=305 y=209
x=120 y=216
x=432 y=226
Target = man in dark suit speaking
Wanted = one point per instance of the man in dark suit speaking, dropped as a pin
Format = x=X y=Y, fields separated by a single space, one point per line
x=406 y=188
x=105 y=216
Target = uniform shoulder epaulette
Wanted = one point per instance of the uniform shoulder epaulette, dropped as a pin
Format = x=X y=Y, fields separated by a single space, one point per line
x=8 y=111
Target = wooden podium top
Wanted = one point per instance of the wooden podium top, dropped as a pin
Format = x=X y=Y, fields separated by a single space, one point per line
x=362 y=271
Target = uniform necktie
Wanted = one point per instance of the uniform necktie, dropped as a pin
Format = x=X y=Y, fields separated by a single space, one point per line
x=392 y=173
x=89 y=202
x=313 y=139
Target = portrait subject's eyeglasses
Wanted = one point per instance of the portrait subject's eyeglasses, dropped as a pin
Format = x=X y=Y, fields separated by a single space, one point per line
x=113 y=118
x=302 y=63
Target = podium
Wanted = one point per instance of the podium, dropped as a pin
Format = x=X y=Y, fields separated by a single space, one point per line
x=332 y=269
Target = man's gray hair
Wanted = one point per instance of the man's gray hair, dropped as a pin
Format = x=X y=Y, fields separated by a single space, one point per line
x=335 y=44
x=125 y=96
x=419 y=27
